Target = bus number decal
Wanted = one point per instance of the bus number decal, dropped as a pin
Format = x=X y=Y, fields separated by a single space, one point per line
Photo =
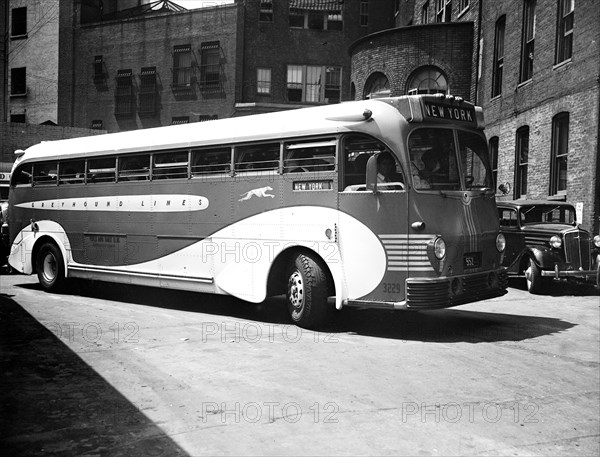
x=392 y=288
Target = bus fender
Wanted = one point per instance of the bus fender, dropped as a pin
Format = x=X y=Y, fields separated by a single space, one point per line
x=30 y=238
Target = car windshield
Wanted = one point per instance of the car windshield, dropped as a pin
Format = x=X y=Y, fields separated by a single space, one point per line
x=437 y=162
x=547 y=214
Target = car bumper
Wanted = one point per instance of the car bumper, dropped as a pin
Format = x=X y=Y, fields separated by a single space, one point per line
x=585 y=275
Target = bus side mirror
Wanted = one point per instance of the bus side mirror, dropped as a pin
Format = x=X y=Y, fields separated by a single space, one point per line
x=372 y=173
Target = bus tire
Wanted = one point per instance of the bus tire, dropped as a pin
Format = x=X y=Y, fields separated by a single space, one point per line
x=50 y=267
x=306 y=292
x=534 y=279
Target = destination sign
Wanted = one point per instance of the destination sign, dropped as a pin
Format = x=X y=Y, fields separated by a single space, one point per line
x=313 y=185
x=449 y=112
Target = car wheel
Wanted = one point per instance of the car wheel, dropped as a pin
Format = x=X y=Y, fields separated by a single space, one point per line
x=533 y=276
x=50 y=267
x=306 y=292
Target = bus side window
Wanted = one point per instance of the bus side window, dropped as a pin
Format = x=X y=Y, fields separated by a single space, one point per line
x=45 y=174
x=257 y=157
x=211 y=161
x=101 y=170
x=358 y=149
x=134 y=168
x=170 y=165
x=22 y=176
x=309 y=156
x=71 y=172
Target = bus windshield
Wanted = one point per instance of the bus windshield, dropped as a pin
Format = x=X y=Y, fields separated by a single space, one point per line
x=437 y=163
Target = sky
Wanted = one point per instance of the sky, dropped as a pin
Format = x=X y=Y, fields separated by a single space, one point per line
x=192 y=4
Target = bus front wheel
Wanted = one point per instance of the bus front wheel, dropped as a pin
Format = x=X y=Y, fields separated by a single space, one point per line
x=50 y=267
x=307 y=292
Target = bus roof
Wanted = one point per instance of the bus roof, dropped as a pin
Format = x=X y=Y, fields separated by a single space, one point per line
x=364 y=115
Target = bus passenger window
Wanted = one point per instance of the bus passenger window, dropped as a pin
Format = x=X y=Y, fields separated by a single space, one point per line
x=170 y=165
x=211 y=161
x=101 y=170
x=22 y=177
x=134 y=168
x=357 y=151
x=310 y=156
x=45 y=174
x=71 y=172
x=257 y=157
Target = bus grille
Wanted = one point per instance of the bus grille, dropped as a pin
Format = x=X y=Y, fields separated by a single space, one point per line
x=577 y=249
x=423 y=294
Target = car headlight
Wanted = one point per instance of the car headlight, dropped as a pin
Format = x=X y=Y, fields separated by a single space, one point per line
x=500 y=242
x=597 y=241
x=556 y=241
x=439 y=248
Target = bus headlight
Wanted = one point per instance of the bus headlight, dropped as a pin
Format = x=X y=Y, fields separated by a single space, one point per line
x=439 y=248
x=500 y=242
x=556 y=241
x=597 y=241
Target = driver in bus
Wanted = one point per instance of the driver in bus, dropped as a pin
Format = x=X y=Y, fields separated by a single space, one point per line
x=387 y=172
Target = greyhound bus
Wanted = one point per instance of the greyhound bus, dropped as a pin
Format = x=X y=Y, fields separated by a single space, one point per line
x=297 y=203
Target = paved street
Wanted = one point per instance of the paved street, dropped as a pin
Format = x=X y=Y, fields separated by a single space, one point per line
x=114 y=370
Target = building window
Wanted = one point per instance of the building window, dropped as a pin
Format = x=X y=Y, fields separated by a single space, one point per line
x=521 y=162
x=97 y=124
x=315 y=15
x=305 y=84
x=377 y=86
x=364 y=13
x=427 y=80
x=443 y=10
x=124 y=93
x=498 y=57
x=18 y=81
x=425 y=13
x=182 y=66
x=20 y=118
x=210 y=65
x=528 y=39
x=176 y=120
x=99 y=71
x=560 y=151
x=147 y=91
x=263 y=81
x=462 y=6
x=19 y=23
x=266 y=12
x=564 y=30
x=493 y=146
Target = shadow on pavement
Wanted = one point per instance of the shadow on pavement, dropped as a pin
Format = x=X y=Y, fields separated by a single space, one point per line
x=51 y=402
x=559 y=288
x=444 y=326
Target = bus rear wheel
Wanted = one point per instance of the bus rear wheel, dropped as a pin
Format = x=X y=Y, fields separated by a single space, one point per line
x=307 y=292
x=50 y=267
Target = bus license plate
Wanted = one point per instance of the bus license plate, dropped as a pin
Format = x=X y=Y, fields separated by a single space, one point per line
x=472 y=260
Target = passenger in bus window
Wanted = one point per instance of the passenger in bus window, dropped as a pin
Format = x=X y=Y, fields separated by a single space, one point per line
x=387 y=172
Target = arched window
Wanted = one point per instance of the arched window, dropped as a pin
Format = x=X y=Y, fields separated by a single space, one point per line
x=377 y=86
x=427 y=80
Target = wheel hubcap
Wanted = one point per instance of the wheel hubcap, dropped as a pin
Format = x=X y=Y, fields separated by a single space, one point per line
x=296 y=291
x=49 y=270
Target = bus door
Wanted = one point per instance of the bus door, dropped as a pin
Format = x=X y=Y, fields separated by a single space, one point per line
x=384 y=269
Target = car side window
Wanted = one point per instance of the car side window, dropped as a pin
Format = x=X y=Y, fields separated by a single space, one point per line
x=508 y=217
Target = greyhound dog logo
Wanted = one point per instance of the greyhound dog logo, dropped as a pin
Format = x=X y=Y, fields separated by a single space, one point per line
x=260 y=193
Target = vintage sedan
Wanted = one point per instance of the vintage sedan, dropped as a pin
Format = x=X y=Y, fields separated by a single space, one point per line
x=544 y=242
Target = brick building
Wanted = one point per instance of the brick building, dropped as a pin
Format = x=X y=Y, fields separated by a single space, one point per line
x=295 y=52
x=540 y=89
x=140 y=67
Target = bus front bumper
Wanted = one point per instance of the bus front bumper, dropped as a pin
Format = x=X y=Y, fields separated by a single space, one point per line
x=444 y=292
